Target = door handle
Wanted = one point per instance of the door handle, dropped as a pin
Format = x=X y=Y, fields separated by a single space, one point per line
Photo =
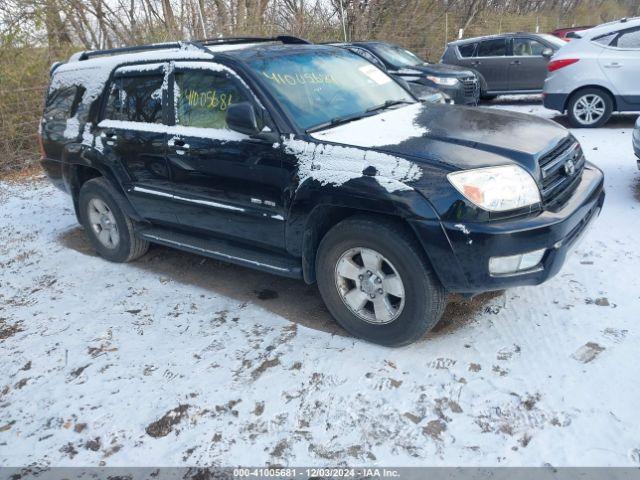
x=476 y=63
x=110 y=137
x=516 y=62
x=613 y=65
x=179 y=144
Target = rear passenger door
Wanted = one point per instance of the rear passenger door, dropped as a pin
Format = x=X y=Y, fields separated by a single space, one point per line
x=132 y=136
x=620 y=61
x=225 y=183
x=492 y=63
x=527 y=66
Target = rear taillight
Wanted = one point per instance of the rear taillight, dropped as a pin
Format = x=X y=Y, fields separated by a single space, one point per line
x=558 y=64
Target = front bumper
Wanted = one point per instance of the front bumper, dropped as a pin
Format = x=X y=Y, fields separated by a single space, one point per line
x=460 y=253
x=460 y=94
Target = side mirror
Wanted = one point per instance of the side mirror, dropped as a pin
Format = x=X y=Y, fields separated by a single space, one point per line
x=547 y=53
x=242 y=118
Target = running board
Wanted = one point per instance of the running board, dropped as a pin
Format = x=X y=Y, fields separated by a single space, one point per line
x=225 y=251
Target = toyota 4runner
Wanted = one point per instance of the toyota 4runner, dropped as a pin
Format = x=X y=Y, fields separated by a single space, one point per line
x=310 y=162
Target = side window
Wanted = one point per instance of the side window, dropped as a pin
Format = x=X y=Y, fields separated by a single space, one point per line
x=605 y=39
x=492 y=48
x=62 y=103
x=628 y=39
x=203 y=96
x=527 y=47
x=136 y=99
x=467 y=50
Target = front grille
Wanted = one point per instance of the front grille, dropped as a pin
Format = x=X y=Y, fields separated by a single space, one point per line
x=557 y=180
x=470 y=86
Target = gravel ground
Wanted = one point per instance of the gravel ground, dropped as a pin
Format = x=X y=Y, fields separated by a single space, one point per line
x=180 y=360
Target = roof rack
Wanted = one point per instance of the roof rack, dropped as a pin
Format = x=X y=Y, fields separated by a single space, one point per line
x=286 y=39
x=86 y=55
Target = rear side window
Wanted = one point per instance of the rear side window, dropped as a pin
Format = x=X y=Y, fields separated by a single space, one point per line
x=493 y=48
x=628 y=39
x=136 y=99
x=367 y=55
x=62 y=103
x=203 y=97
x=606 y=39
x=467 y=50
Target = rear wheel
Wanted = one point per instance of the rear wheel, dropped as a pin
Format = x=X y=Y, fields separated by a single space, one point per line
x=590 y=107
x=376 y=283
x=108 y=228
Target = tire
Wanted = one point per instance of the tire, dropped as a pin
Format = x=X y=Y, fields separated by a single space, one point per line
x=108 y=228
x=599 y=100
x=415 y=310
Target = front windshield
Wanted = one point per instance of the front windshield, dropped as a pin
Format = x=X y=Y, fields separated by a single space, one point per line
x=321 y=87
x=397 y=56
x=558 y=42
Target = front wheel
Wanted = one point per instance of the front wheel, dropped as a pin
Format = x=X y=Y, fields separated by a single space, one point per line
x=376 y=283
x=590 y=107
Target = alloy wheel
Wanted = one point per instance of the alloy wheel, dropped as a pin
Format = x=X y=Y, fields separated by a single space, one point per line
x=103 y=223
x=370 y=285
x=589 y=109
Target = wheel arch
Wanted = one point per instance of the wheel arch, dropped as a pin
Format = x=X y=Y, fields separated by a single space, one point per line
x=78 y=173
x=595 y=86
x=324 y=217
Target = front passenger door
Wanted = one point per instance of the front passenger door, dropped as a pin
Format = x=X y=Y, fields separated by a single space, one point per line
x=527 y=66
x=225 y=183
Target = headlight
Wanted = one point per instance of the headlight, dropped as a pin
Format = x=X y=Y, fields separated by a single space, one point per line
x=497 y=189
x=446 y=81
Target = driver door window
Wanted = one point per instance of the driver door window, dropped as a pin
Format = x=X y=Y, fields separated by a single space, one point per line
x=527 y=47
x=203 y=97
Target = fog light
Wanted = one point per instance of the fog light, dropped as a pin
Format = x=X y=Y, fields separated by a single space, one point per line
x=515 y=263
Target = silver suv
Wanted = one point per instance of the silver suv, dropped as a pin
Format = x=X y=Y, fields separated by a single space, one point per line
x=596 y=74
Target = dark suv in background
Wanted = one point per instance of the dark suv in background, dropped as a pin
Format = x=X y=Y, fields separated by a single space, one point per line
x=308 y=161
x=512 y=63
x=460 y=84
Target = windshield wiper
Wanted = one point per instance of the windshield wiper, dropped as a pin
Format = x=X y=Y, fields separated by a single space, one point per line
x=338 y=121
x=356 y=116
x=387 y=104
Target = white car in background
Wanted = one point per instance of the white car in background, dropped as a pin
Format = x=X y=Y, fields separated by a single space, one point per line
x=596 y=74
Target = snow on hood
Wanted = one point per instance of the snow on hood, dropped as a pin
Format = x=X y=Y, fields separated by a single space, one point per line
x=336 y=165
x=387 y=128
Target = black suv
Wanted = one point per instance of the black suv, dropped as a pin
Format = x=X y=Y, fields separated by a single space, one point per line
x=308 y=161
x=514 y=63
x=458 y=83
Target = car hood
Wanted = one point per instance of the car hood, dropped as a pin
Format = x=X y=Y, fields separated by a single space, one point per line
x=436 y=69
x=454 y=137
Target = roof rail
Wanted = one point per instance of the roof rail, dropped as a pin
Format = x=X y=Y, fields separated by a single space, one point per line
x=87 y=54
x=287 y=39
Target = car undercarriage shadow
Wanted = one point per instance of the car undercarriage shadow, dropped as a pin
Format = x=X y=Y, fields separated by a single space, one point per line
x=292 y=299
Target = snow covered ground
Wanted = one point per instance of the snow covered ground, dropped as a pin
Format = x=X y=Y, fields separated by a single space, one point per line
x=178 y=360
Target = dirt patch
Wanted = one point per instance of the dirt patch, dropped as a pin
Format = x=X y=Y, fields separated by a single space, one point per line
x=588 y=352
x=266 y=294
x=263 y=367
x=164 y=426
x=9 y=330
x=434 y=429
